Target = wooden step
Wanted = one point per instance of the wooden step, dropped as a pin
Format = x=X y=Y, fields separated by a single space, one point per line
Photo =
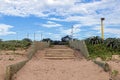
x=60 y=54
x=59 y=58
x=59 y=50
x=60 y=47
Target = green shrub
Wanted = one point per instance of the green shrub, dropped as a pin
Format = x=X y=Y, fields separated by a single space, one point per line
x=105 y=50
x=15 y=44
x=115 y=72
x=94 y=40
x=113 y=44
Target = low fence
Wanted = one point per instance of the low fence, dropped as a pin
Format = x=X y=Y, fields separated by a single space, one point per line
x=12 y=69
x=80 y=45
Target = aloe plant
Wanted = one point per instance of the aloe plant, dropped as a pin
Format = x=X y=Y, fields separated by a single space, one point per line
x=105 y=49
x=94 y=40
x=113 y=43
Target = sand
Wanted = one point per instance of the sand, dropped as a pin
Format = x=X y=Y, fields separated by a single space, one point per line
x=6 y=60
x=39 y=68
x=115 y=65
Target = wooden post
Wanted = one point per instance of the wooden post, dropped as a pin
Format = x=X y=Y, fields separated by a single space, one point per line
x=72 y=33
x=34 y=37
x=27 y=35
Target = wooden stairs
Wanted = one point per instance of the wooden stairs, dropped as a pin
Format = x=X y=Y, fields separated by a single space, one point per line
x=59 y=53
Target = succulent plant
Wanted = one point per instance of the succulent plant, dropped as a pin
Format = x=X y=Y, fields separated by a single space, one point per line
x=113 y=43
x=94 y=40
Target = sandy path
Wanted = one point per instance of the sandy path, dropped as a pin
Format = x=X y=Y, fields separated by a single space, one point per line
x=61 y=70
x=72 y=69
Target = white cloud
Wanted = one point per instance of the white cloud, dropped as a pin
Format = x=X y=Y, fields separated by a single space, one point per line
x=32 y=7
x=54 y=36
x=50 y=35
x=71 y=31
x=86 y=14
x=90 y=13
x=112 y=31
x=51 y=24
x=108 y=30
x=4 y=30
x=56 y=19
x=61 y=31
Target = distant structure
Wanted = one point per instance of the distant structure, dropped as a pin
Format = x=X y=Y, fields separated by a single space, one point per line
x=72 y=32
x=102 y=28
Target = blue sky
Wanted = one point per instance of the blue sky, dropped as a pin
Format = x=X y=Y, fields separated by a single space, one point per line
x=54 y=18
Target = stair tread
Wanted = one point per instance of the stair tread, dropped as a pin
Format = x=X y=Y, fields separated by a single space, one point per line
x=59 y=54
x=59 y=57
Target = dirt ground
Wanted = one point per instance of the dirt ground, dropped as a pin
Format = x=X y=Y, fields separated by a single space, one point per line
x=8 y=58
x=61 y=70
x=10 y=52
x=115 y=65
x=40 y=68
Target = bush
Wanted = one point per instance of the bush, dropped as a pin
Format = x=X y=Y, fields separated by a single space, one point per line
x=94 y=40
x=113 y=44
x=15 y=44
x=104 y=49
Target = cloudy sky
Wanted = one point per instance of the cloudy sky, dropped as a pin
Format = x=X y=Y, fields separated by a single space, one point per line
x=55 y=18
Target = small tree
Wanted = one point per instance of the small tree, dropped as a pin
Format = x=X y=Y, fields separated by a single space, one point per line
x=113 y=43
x=94 y=40
x=47 y=40
x=26 y=42
x=66 y=38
